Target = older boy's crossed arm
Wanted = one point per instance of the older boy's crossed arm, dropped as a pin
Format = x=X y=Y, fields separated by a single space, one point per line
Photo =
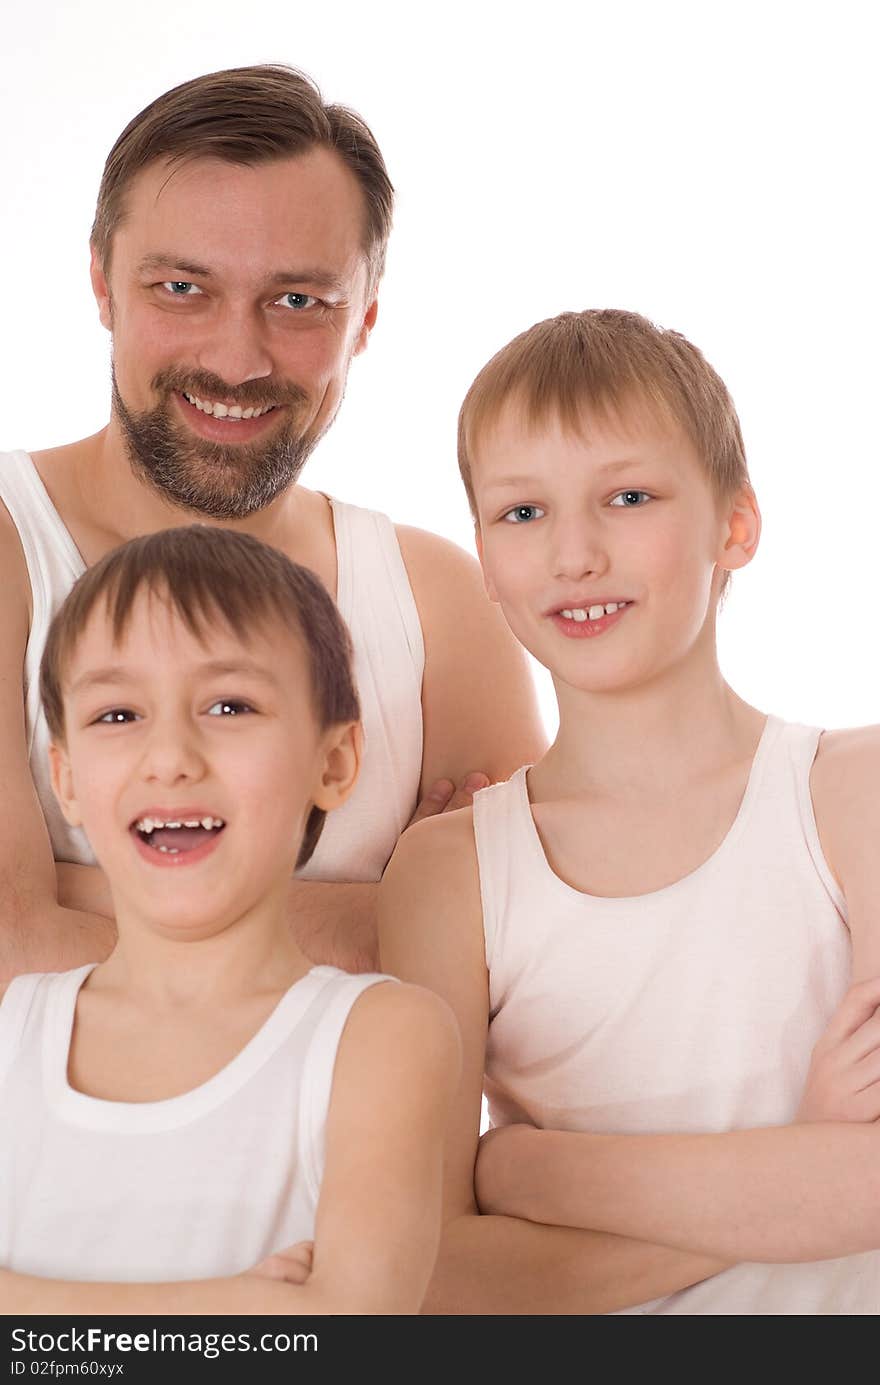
x=431 y=932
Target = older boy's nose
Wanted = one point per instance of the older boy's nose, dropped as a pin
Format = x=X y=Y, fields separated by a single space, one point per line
x=578 y=552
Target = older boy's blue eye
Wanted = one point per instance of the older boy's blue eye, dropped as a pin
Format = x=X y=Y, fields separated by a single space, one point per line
x=226 y=707
x=631 y=500
x=522 y=514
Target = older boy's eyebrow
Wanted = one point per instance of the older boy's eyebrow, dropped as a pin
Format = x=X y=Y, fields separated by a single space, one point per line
x=526 y=479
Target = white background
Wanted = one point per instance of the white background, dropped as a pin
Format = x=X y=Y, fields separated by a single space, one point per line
x=713 y=166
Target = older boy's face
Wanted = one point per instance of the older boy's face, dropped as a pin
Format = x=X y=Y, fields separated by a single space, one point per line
x=601 y=547
x=220 y=740
x=237 y=297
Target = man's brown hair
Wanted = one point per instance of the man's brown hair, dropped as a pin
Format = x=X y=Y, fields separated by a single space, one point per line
x=603 y=361
x=210 y=576
x=246 y=115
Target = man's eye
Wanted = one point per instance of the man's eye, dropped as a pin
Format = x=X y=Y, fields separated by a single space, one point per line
x=181 y=288
x=228 y=707
x=522 y=514
x=297 y=301
x=631 y=500
x=116 y=717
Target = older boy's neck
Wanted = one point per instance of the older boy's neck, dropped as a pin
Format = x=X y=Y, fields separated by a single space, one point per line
x=648 y=740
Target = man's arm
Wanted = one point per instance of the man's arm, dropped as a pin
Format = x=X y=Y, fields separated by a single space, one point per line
x=430 y=929
x=478 y=699
x=801 y=1192
x=378 y=1217
x=36 y=932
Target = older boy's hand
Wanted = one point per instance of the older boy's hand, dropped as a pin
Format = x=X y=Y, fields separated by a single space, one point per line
x=444 y=797
x=843 y=1083
x=293 y=1265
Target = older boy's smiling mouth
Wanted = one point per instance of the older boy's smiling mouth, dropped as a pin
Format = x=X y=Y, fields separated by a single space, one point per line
x=594 y=618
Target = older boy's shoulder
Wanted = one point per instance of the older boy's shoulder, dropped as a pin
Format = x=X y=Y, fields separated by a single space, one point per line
x=847 y=762
x=441 y=846
x=843 y=785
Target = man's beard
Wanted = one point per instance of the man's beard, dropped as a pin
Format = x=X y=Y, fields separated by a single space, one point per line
x=220 y=480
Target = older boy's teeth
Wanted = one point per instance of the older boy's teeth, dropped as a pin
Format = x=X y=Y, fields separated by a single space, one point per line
x=579 y=616
x=596 y=612
x=610 y=608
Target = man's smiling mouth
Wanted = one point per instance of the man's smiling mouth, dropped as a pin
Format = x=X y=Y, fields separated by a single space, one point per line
x=234 y=412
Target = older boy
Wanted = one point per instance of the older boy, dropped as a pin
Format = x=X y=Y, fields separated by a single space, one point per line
x=648 y=931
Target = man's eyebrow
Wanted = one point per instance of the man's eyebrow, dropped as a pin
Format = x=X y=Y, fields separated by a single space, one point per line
x=163 y=261
x=309 y=274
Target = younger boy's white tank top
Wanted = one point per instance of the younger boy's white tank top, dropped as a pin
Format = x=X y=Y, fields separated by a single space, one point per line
x=203 y=1184
x=693 y=1008
x=376 y=601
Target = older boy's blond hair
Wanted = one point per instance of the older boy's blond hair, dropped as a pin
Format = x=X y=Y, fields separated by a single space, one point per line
x=604 y=361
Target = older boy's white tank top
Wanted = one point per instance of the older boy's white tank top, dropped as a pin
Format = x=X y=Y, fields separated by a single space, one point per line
x=203 y=1184
x=694 y=1008
x=376 y=601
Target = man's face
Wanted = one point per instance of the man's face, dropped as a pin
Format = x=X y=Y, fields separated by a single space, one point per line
x=236 y=297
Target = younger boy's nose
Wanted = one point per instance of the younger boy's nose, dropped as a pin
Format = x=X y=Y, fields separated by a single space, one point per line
x=172 y=755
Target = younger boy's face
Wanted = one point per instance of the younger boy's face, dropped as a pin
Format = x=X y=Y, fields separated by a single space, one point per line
x=602 y=546
x=218 y=738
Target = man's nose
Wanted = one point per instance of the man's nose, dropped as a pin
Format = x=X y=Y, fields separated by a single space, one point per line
x=235 y=346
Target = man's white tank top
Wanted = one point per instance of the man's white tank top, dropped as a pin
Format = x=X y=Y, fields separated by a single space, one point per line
x=203 y=1184
x=376 y=601
x=693 y=1008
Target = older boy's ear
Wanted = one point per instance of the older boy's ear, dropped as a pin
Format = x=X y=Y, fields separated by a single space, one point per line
x=101 y=291
x=62 y=784
x=487 y=580
x=742 y=530
x=342 y=759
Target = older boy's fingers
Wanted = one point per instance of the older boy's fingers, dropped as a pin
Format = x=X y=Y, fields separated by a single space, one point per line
x=857 y=1006
x=434 y=801
x=864 y=1042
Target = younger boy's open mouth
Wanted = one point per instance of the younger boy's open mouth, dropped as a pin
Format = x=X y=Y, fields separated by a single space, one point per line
x=178 y=839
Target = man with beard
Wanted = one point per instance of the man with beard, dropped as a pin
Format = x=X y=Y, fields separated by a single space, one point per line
x=236 y=251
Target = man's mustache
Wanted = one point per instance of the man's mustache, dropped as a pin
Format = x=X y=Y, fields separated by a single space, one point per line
x=248 y=394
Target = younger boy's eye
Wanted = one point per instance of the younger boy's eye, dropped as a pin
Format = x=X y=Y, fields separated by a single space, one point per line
x=631 y=500
x=522 y=514
x=116 y=716
x=228 y=707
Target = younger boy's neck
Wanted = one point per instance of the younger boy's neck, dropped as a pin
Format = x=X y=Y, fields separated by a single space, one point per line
x=646 y=740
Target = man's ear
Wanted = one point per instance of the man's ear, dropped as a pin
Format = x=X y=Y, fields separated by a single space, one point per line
x=62 y=783
x=487 y=580
x=101 y=290
x=742 y=530
x=367 y=326
x=343 y=747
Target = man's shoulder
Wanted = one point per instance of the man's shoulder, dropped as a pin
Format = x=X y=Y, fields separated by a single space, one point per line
x=427 y=556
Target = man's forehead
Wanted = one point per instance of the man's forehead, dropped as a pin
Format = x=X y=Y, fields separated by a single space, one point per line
x=307 y=205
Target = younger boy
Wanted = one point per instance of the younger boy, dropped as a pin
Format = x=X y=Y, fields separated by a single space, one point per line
x=647 y=932
x=204 y=1099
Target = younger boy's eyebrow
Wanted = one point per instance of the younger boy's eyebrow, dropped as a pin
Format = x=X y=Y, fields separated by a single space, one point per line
x=118 y=675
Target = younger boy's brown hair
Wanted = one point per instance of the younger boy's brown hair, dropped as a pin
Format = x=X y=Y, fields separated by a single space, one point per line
x=211 y=576
x=600 y=361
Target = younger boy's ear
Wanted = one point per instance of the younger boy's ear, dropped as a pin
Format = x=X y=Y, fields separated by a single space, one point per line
x=487 y=580
x=62 y=784
x=101 y=291
x=742 y=530
x=342 y=759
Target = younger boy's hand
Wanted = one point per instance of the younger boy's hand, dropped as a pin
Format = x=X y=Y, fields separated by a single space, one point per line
x=293 y=1265
x=843 y=1083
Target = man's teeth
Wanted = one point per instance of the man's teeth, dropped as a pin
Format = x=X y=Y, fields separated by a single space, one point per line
x=594 y=612
x=151 y=824
x=234 y=411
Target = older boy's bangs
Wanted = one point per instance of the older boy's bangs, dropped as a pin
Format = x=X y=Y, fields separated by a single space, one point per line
x=605 y=363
